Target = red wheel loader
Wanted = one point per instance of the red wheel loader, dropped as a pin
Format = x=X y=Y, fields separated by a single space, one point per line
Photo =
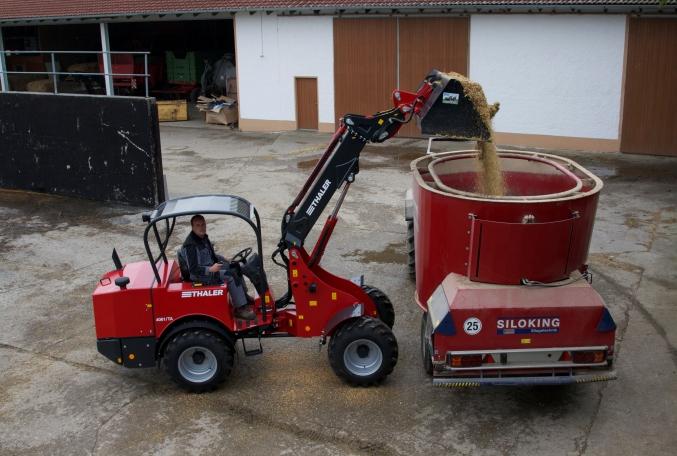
x=147 y=313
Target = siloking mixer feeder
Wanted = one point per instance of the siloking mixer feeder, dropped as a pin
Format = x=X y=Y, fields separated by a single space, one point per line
x=502 y=280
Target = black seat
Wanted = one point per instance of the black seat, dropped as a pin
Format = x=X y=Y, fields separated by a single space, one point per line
x=183 y=264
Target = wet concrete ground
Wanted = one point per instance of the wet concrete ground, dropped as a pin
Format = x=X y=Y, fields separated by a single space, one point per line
x=59 y=396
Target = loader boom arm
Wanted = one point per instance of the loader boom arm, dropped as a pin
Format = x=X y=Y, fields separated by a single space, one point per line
x=441 y=106
x=339 y=164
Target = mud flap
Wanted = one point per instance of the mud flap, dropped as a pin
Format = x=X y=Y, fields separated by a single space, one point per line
x=355 y=311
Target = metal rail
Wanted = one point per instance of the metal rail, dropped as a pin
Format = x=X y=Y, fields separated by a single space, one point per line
x=53 y=74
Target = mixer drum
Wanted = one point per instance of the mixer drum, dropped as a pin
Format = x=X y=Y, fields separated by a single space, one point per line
x=539 y=231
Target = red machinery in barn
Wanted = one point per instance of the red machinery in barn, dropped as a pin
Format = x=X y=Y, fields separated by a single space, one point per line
x=502 y=280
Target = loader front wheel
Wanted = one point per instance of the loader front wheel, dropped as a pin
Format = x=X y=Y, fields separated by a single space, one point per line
x=198 y=360
x=363 y=351
x=386 y=312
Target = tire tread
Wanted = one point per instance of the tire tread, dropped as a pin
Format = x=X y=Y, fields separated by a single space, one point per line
x=172 y=351
x=351 y=330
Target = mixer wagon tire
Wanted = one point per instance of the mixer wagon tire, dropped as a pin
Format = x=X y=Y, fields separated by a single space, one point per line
x=198 y=360
x=411 y=250
x=363 y=351
x=386 y=312
x=426 y=353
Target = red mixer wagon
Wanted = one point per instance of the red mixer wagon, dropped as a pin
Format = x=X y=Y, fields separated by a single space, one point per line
x=502 y=281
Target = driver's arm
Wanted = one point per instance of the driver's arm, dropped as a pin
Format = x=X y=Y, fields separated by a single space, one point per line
x=222 y=259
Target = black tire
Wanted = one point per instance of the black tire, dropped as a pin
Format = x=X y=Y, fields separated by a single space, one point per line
x=386 y=312
x=367 y=339
x=198 y=360
x=411 y=250
x=426 y=354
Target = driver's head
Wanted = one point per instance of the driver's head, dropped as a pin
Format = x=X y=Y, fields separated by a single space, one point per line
x=199 y=225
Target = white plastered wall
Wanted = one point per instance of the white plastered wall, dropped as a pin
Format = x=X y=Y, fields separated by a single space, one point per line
x=273 y=50
x=554 y=75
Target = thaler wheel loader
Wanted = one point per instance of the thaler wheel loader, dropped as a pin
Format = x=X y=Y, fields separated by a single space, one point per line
x=148 y=312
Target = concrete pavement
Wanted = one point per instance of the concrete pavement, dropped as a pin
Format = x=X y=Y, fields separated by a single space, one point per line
x=59 y=396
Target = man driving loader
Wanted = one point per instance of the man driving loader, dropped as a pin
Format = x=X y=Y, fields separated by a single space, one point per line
x=206 y=267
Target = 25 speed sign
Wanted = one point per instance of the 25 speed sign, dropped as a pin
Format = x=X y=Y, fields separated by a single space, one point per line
x=472 y=326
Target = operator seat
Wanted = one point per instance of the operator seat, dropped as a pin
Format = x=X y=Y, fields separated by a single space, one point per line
x=183 y=264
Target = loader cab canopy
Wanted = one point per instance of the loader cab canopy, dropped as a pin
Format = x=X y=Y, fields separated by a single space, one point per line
x=206 y=204
x=169 y=210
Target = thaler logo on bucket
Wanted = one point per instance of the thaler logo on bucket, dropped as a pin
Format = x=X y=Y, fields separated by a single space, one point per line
x=201 y=293
x=529 y=325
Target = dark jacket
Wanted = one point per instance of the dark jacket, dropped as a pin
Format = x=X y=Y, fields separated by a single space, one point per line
x=200 y=256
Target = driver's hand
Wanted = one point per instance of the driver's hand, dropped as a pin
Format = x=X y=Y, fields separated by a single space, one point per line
x=216 y=267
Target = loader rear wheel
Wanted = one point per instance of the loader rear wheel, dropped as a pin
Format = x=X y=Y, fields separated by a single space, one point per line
x=386 y=312
x=363 y=351
x=411 y=250
x=198 y=360
x=426 y=349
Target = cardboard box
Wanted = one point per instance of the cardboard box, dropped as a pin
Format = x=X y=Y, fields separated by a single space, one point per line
x=227 y=116
x=173 y=110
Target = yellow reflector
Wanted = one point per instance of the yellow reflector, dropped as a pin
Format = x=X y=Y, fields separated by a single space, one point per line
x=294 y=273
x=334 y=296
x=290 y=323
x=267 y=299
x=131 y=356
x=300 y=317
x=312 y=303
x=307 y=328
x=119 y=360
x=526 y=341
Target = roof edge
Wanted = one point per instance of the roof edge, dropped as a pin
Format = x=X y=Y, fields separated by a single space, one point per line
x=205 y=14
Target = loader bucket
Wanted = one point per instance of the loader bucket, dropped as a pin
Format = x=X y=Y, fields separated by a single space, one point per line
x=457 y=108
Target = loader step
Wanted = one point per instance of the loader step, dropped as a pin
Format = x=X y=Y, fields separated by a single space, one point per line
x=254 y=351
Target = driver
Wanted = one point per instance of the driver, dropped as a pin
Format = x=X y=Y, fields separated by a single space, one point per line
x=207 y=267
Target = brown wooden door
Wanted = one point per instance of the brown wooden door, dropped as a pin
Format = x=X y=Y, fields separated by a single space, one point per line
x=426 y=43
x=366 y=59
x=649 y=123
x=306 y=104
x=365 y=65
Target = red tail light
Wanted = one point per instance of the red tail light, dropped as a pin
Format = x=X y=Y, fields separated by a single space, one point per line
x=466 y=360
x=489 y=359
x=566 y=356
x=589 y=357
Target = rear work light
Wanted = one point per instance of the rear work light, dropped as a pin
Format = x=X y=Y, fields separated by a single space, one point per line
x=589 y=357
x=466 y=360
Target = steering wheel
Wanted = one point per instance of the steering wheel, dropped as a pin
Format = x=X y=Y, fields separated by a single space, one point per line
x=241 y=256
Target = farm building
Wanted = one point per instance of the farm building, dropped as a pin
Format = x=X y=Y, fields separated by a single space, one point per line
x=570 y=74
